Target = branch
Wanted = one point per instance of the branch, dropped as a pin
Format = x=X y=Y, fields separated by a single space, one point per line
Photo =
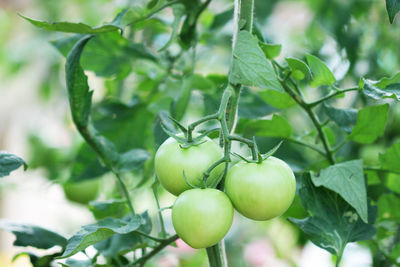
x=316 y=149
x=313 y=118
x=323 y=99
x=161 y=246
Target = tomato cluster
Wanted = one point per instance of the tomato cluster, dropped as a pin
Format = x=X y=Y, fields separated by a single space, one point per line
x=202 y=217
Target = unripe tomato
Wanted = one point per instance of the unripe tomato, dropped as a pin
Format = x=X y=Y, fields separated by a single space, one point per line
x=202 y=217
x=171 y=161
x=261 y=191
x=82 y=192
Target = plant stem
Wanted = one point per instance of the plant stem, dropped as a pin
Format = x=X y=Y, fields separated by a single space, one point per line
x=323 y=99
x=233 y=107
x=171 y=3
x=160 y=217
x=313 y=118
x=316 y=149
x=243 y=13
x=125 y=191
x=246 y=14
x=90 y=136
x=142 y=260
x=160 y=240
x=216 y=258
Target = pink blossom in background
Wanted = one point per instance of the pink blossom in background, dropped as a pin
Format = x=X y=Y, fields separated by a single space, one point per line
x=168 y=260
x=259 y=253
x=182 y=247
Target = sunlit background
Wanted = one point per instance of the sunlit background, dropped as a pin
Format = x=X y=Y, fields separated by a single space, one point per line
x=353 y=37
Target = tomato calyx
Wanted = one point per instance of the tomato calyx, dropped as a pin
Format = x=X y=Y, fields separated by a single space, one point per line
x=185 y=138
x=260 y=157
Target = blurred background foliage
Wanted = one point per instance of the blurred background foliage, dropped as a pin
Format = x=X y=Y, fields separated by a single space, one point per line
x=133 y=81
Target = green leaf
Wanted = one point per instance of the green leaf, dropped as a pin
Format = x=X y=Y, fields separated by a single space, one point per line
x=344 y=118
x=121 y=243
x=321 y=75
x=9 y=163
x=221 y=19
x=277 y=99
x=370 y=125
x=385 y=81
x=389 y=208
x=80 y=98
x=138 y=11
x=386 y=91
x=86 y=165
x=330 y=135
x=107 y=54
x=250 y=66
x=94 y=233
x=33 y=236
x=392 y=7
x=127 y=126
x=72 y=27
x=390 y=160
x=300 y=70
x=276 y=127
x=38 y=261
x=332 y=222
x=271 y=51
x=158 y=133
x=346 y=179
x=132 y=160
x=252 y=106
x=152 y=3
x=108 y=208
x=181 y=103
x=77 y=263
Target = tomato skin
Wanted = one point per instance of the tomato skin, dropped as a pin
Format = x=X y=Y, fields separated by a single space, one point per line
x=171 y=161
x=82 y=192
x=261 y=191
x=202 y=217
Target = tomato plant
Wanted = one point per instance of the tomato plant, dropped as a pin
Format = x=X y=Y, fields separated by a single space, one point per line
x=261 y=191
x=173 y=162
x=199 y=209
x=182 y=89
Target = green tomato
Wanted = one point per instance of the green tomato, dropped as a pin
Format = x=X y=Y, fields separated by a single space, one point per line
x=202 y=217
x=171 y=161
x=82 y=192
x=261 y=191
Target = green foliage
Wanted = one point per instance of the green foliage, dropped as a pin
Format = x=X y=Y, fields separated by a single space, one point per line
x=71 y=27
x=321 y=75
x=390 y=159
x=300 y=70
x=152 y=64
x=103 y=229
x=347 y=180
x=276 y=127
x=9 y=163
x=393 y=7
x=32 y=235
x=344 y=118
x=249 y=66
x=332 y=222
x=80 y=97
x=371 y=122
